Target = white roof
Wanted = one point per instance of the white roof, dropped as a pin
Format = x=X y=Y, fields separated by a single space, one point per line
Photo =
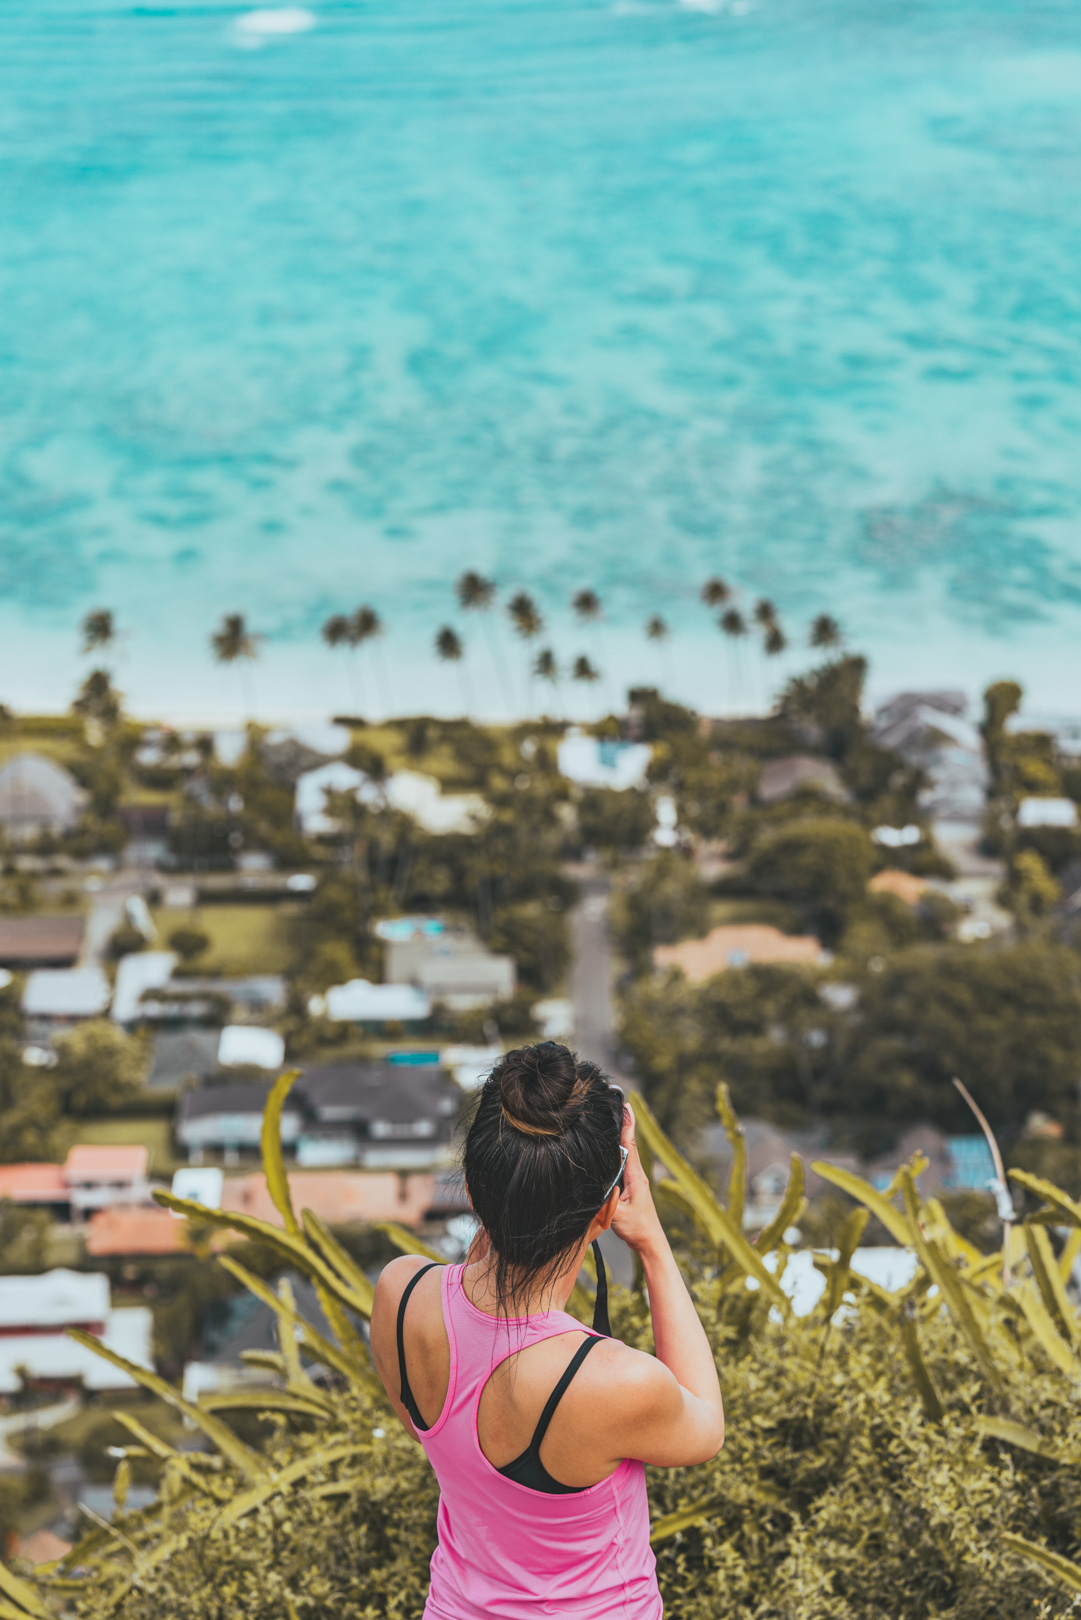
x=53 y=1355
x=53 y=1299
x=310 y=801
x=1047 y=813
x=360 y=1002
x=804 y=1284
x=593 y=762
x=437 y=812
x=201 y=1183
x=247 y=1043
x=470 y=1065
x=66 y=993
x=142 y=970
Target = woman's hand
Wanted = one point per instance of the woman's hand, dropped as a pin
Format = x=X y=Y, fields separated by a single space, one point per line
x=636 y=1220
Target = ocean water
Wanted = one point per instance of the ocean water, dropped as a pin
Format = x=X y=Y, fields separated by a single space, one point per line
x=309 y=307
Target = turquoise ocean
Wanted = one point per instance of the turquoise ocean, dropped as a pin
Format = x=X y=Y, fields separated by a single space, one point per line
x=316 y=308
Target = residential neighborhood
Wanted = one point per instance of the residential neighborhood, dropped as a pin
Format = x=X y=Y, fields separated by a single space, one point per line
x=761 y=902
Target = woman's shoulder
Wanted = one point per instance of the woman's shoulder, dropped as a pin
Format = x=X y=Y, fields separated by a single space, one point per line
x=395 y=1278
x=632 y=1382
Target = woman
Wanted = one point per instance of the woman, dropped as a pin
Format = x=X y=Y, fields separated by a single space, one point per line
x=538 y=1428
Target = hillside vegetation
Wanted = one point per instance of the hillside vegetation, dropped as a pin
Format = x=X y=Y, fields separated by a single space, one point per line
x=912 y=1455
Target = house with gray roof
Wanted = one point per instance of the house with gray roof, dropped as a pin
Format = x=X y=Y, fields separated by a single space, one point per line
x=38 y=796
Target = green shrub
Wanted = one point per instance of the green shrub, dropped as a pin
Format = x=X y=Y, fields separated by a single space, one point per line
x=911 y=1455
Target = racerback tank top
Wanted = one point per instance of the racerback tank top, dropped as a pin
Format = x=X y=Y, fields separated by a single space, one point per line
x=509 y=1552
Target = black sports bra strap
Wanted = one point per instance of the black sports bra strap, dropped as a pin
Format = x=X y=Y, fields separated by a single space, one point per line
x=558 y=1393
x=406 y=1394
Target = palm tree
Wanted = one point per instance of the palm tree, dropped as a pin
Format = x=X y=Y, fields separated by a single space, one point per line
x=545 y=667
x=588 y=608
x=734 y=626
x=365 y=626
x=658 y=632
x=583 y=670
x=526 y=618
x=233 y=643
x=338 y=632
x=765 y=614
x=775 y=641
x=99 y=630
x=449 y=650
x=715 y=592
x=825 y=631
x=476 y=594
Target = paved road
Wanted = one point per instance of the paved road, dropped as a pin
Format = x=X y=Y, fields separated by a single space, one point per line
x=591 y=973
x=594 y=1013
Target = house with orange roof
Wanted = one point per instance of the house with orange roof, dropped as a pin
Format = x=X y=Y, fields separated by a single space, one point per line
x=735 y=945
x=905 y=885
x=99 y=1176
x=116 y=1232
x=337 y=1196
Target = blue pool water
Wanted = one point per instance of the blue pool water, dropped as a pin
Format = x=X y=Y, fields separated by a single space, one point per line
x=614 y=293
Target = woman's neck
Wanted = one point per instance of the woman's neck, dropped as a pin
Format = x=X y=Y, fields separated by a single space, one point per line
x=531 y=1299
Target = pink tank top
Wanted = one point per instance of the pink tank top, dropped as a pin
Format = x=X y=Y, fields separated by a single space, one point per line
x=505 y=1551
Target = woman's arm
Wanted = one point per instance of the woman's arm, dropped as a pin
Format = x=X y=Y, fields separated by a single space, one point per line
x=676 y=1406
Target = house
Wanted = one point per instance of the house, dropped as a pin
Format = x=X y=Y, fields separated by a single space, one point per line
x=450 y=966
x=422 y=798
x=1049 y=812
x=188 y=1000
x=781 y=778
x=905 y=885
x=38 y=796
x=735 y=945
x=249 y=1045
x=118 y=1233
x=98 y=1177
x=35 y=1314
x=411 y=792
x=310 y=796
x=136 y=975
x=337 y=1196
x=596 y=762
x=200 y=1185
x=377 y=1114
x=35 y=1186
x=769 y=1151
x=471 y=1065
x=929 y=729
x=228 y=1118
x=359 y=1002
x=39 y=942
x=183 y=1054
x=65 y=995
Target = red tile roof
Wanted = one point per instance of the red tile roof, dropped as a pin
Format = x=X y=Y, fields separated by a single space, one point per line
x=337 y=1195
x=89 y=1161
x=120 y=1231
x=38 y=940
x=734 y=944
x=26 y=1183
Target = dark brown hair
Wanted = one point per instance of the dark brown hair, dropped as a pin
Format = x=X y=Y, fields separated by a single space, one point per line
x=540 y=1156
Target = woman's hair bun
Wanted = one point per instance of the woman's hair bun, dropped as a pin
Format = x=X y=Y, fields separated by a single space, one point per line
x=541 y=1088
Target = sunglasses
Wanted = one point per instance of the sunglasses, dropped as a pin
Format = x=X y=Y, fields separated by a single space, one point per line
x=624 y=1154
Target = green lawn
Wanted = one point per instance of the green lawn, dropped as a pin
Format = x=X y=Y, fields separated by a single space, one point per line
x=243 y=939
x=753 y=910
